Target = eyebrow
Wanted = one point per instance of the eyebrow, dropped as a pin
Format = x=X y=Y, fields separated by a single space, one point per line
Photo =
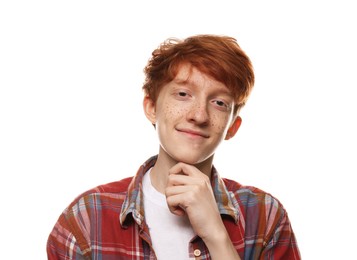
x=182 y=81
x=188 y=81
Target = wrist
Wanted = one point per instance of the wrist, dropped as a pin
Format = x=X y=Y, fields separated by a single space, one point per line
x=220 y=246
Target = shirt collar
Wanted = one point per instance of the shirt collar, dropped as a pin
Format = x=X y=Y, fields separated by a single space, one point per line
x=133 y=202
x=226 y=201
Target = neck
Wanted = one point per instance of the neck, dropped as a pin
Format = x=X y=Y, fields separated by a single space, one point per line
x=165 y=162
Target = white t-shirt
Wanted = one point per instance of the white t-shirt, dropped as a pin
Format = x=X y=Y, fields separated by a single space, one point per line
x=170 y=234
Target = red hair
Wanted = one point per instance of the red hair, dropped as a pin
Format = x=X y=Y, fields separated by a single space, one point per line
x=217 y=56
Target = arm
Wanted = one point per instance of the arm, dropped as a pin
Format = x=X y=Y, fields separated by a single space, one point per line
x=189 y=192
x=220 y=246
x=61 y=243
x=282 y=244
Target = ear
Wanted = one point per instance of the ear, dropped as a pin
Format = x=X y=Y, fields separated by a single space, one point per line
x=233 y=129
x=149 y=109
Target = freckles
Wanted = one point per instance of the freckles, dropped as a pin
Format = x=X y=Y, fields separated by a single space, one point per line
x=218 y=123
x=219 y=127
x=173 y=111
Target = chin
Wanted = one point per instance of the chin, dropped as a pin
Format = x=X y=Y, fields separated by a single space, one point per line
x=190 y=158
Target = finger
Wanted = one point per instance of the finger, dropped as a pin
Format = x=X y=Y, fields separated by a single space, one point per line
x=184 y=180
x=175 y=180
x=173 y=202
x=183 y=169
x=178 y=189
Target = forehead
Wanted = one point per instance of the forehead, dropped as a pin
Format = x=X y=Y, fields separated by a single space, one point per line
x=187 y=74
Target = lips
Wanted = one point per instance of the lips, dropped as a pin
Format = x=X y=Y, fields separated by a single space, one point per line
x=193 y=133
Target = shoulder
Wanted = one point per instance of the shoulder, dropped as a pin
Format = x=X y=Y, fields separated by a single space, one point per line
x=250 y=198
x=113 y=191
x=95 y=209
x=264 y=220
x=235 y=186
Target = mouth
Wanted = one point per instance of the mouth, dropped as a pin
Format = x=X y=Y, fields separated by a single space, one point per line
x=193 y=133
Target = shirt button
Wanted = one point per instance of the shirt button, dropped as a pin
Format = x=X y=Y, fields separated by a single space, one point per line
x=197 y=252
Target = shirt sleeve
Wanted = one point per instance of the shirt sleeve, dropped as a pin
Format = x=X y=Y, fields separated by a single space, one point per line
x=282 y=244
x=62 y=243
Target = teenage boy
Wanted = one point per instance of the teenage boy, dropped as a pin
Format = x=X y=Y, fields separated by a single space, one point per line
x=177 y=206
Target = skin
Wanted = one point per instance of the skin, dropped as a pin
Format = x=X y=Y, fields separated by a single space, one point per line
x=193 y=114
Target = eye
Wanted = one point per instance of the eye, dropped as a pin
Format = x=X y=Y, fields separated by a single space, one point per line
x=182 y=94
x=222 y=105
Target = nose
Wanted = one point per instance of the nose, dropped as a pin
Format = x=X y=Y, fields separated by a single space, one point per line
x=198 y=113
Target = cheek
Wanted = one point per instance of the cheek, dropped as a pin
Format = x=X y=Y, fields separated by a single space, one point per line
x=171 y=112
x=176 y=110
x=219 y=123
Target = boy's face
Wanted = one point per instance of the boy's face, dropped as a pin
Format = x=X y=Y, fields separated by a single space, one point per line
x=193 y=114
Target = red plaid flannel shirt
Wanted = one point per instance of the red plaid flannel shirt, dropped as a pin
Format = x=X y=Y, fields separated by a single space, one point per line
x=107 y=222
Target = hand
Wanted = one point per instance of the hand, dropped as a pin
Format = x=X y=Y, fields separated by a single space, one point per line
x=189 y=192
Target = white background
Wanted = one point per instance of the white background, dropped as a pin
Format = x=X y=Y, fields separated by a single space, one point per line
x=71 y=115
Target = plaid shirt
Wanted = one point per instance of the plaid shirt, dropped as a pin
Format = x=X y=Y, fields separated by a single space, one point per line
x=107 y=222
